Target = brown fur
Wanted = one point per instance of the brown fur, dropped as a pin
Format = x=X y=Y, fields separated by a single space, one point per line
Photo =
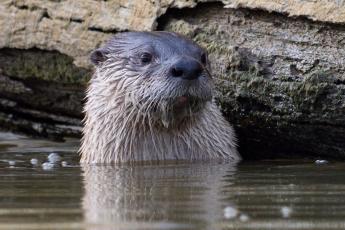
x=133 y=113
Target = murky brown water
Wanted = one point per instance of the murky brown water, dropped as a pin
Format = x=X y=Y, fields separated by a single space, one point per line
x=256 y=195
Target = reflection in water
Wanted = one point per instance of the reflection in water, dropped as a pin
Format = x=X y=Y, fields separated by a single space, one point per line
x=158 y=195
x=289 y=195
x=272 y=195
x=255 y=195
x=14 y=143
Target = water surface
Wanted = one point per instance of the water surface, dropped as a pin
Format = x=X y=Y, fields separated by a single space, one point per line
x=295 y=194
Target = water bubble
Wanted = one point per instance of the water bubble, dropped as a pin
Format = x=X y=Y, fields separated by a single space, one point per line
x=34 y=161
x=47 y=166
x=54 y=158
x=244 y=217
x=286 y=211
x=230 y=212
x=321 y=162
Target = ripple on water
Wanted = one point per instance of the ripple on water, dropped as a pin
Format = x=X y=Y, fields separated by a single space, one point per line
x=258 y=195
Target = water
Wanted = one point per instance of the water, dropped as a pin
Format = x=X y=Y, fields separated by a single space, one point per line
x=254 y=195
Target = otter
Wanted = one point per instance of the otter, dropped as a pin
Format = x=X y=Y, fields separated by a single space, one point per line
x=151 y=99
x=111 y=194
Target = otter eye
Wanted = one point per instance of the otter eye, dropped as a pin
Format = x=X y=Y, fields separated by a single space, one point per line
x=203 y=59
x=146 y=58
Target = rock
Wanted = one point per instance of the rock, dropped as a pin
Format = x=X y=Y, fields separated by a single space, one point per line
x=280 y=80
x=41 y=92
x=280 y=77
x=321 y=10
x=75 y=27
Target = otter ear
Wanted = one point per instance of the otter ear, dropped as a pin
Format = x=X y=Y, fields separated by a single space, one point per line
x=98 y=56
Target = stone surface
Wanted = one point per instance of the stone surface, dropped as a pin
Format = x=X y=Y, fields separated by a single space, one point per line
x=280 y=81
x=279 y=65
x=41 y=92
x=75 y=27
x=320 y=10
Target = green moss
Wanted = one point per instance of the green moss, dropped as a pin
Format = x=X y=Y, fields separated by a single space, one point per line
x=44 y=65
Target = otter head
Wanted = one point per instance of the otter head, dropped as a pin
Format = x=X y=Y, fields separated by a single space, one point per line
x=158 y=75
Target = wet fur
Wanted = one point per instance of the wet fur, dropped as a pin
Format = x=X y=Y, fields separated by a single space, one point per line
x=131 y=115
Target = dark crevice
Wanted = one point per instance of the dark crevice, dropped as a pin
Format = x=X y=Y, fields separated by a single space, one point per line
x=106 y=31
x=340 y=82
x=45 y=15
x=76 y=20
x=50 y=98
x=36 y=115
x=23 y=7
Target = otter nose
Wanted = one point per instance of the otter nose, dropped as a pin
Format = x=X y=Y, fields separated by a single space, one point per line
x=188 y=69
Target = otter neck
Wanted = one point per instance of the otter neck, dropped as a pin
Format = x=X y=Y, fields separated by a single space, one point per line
x=119 y=132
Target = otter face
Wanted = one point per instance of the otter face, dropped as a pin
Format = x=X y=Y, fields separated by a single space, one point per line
x=160 y=73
